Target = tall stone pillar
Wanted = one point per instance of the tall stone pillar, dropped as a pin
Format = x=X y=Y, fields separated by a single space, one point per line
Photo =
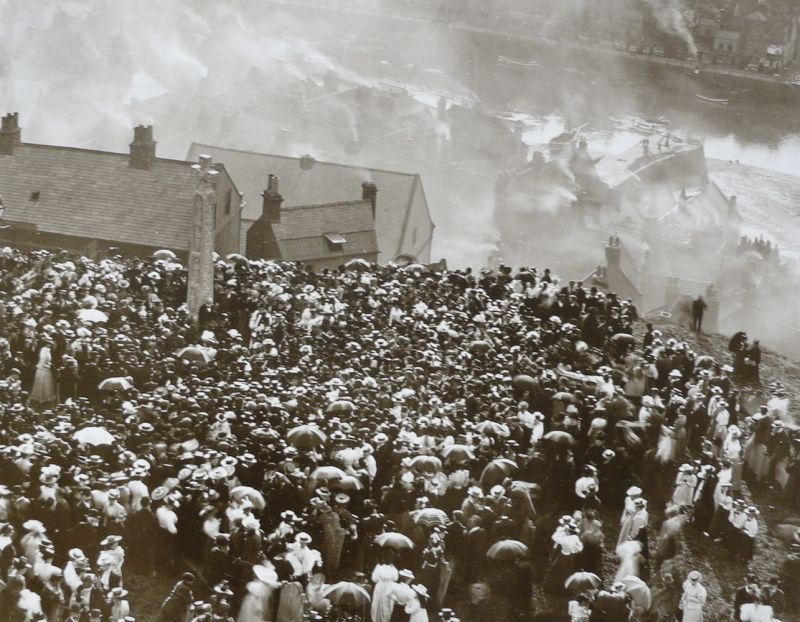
x=711 y=321
x=201 y=251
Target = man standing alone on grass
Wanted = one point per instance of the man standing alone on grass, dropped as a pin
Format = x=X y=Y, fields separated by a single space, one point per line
x=699 y=307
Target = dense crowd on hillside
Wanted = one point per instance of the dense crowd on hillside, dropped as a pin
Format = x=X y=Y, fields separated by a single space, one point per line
x=373 y=443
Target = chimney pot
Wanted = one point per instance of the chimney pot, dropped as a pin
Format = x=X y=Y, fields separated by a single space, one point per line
x=10 y=133
x=143 y=147
x=369 y=192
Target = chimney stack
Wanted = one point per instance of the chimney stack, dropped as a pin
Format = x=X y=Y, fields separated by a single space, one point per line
x=272 y=200
x=10 y=133
x=143 y=147
x=369 y=192
x=613 y=251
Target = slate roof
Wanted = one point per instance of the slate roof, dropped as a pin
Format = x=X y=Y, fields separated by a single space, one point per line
x=323 y=183
x=95 y=194
x=302 y=230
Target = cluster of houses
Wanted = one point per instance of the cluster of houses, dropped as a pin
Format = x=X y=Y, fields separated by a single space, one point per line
x=744 y=34
x=266 y=206
x=748 y=34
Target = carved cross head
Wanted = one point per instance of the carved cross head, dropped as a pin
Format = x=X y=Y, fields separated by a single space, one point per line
x=205 y=173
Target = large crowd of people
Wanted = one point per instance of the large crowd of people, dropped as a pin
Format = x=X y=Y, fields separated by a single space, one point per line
x=370 y=443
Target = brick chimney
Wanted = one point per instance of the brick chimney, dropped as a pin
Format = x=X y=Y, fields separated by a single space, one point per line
x=613 y=252
x=369 y=192
x=10 y=133
x=143 y=147
x=272 y=200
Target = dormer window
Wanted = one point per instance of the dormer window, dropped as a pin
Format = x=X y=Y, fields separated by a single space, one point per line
x=336 y=241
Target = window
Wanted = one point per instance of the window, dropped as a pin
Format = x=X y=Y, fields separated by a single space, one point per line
x=414 y=236
x=228 y=201
x=35 y=196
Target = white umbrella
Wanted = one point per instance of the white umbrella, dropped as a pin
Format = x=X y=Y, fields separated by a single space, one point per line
x=116 y=384
x=255 y=497
x=92 y=315
x=94 y=436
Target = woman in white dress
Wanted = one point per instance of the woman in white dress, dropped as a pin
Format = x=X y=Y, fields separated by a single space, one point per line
x=256 y=604
x=415 y=607
x=756 y=612
x=44 y=385
x=630 y=556
x=685 y=484
x=732 y=452
x=665 y=453
x=693 y=598
x=385 y=577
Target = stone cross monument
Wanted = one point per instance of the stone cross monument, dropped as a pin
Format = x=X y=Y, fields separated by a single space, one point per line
x=201 y=251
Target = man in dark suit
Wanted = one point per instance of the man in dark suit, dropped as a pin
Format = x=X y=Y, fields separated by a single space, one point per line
x=142 y=528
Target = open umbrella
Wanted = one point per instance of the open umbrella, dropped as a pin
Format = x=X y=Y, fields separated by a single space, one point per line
x=624 y=338
x=394 y=540
x=638 y=591
x=507 y=550
x=92 y=316
x=493 y=428
x=254 y=496
x=306 y=437
x=458 y=279
x=429 y=517
x=165 y=254
x=787 y=533
x=348 y=482
x=557 y=437
x=480 y=346
x=266 y=575
x=236 y=258
x=116 y=384
x=563 y=396
x=582 y=581
x=326 y=473
x=497 y=470
x=704 y=361
x=523 y=382
x=426 y=463
x=340 y=406
x=94 y=436
x=195 y=354
x=358 y=264
x=457 y=453
x=416 y=267
x=346 y=593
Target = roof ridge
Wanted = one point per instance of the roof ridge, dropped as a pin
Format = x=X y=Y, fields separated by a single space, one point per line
x=102 y=152
x=297 y=158
x=321 y=205
x=320 y=235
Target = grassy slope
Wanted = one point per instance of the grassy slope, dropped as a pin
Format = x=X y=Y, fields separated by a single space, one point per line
x=722 y=574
